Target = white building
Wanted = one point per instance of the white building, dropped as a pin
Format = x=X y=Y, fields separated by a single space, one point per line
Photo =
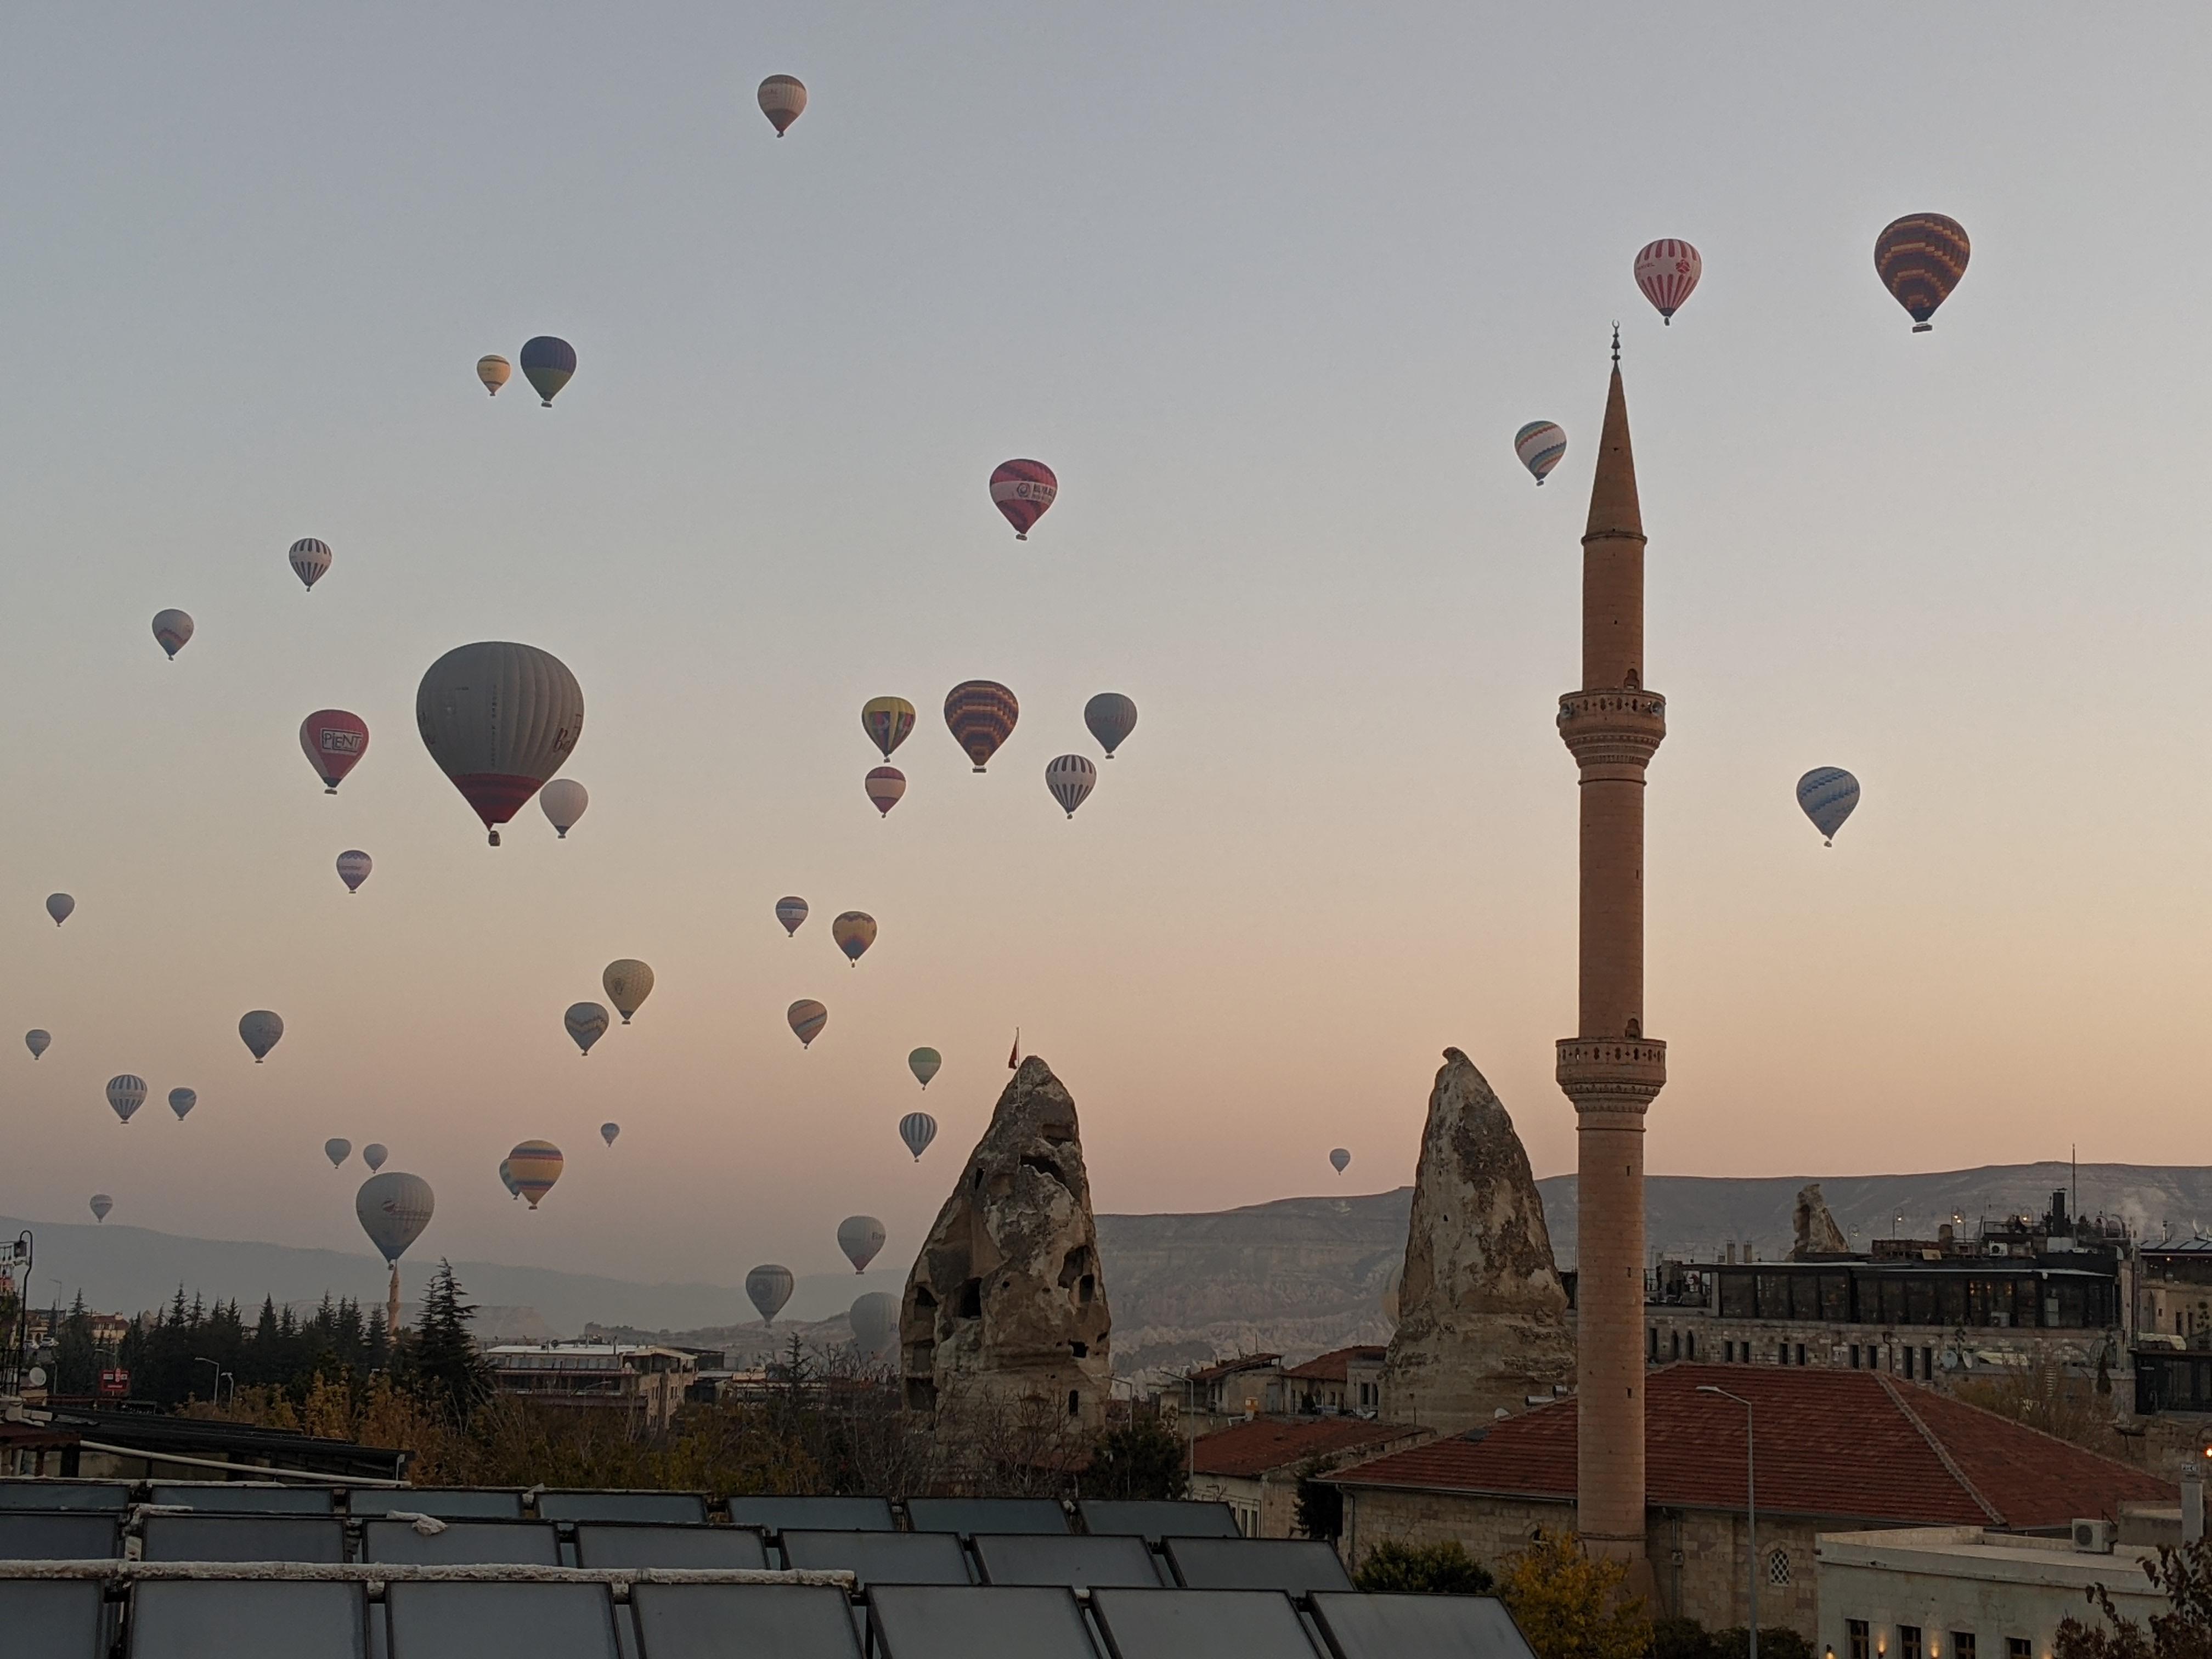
x=1966 y=1593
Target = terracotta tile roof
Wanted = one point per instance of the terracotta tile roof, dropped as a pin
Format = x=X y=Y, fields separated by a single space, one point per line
x=1858 y=1444
x=1331 y=1367
x=1275 y=1443
x=1243 y=1362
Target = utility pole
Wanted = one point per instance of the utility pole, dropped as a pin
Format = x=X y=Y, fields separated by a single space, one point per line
x=1750 y=1503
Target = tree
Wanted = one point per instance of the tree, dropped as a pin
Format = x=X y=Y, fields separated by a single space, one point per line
x=1570 y=1606
x=1318 y=1508
x=2183 y=1576
x=445 y=1363
x=1140 y=1458
x=1444 y=1569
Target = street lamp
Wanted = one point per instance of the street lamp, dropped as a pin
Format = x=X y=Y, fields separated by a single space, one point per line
x=217 y=1400
x=1750 y=1502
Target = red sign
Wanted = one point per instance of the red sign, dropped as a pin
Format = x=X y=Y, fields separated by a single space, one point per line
x=114 y=1385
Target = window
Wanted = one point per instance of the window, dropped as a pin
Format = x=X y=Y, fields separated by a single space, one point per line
x=1651 y=1347
x=1908 y=1636
x=1690 y=1344
x=1782 y=1353
x=1908 y=1375
x=1801 y=1353
x=1855 y=1356
x=1674 y=1342
x=1778 y=1571
x=1962 y=1645
x=2018 y=1647
x=1927 y=1364
x=1728 y=1352
x=1857 y=1646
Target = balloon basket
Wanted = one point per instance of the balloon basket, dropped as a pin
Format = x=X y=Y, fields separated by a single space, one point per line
x=1923 y=328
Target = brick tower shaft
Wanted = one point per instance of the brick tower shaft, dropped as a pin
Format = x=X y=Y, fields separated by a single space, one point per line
x=1609 y=1069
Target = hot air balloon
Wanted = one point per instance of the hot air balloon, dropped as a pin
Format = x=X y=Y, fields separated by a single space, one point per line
x=981 y=715
x=374 y=1155
x=58 y=906
x=534 y=1165
x=259 y=1031
x=37 y=1043
x=807 y=1018
x=924 y=1064
x=860 y=1236
x=875 y=1323
x=499 y=719
x=394 y=1208
x=127 y=1094
x=852 y=932
x=769 y=1287
x=629 y=983
x=1920 y=259
x=548 y=363
x=886 y=785
x=609 y=1131
x=563 y=801
x=887 y=721
x=493 y=370
x=1668 y=270
x=1112 y=717
x=1341 y=1159
x=353 y=869
x=333 y=741
x=181 y=1102
x=1828 y=795
x=790 y=912
x=1071 y=779
x=101 y=1204
x=172 y=629
x=507 y=1180
x=917 y=1129
x=1540 y=444
x=309 y=558
x=586 y=1022
x=338 y=1151
x=1022 y=490
x=783 y=101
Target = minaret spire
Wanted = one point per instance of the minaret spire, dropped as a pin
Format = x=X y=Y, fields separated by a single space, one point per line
x=1609 y=1069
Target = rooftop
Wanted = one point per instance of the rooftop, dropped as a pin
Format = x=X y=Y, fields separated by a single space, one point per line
x=1858 y=1444
x=1274 y=1442
x=1331 y=1367
x=1243 y=1362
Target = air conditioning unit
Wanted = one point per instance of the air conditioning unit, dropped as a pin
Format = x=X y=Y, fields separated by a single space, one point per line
x=2094 y=1537
x=1999 y=1250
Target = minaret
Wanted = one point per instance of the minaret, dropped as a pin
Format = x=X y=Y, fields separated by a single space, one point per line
x=1609 y=1069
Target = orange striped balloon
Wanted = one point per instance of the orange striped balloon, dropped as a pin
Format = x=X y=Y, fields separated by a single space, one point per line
x=533 y=1168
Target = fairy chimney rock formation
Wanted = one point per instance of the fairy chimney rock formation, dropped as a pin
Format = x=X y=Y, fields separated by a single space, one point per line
x=1005 y=1303
x=1482 y=1314
x=1816 y=1230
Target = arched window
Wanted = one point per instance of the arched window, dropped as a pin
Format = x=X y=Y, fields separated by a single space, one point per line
x=1777 y=1567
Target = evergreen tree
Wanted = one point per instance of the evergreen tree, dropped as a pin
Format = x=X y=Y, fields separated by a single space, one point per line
x=445 y=1363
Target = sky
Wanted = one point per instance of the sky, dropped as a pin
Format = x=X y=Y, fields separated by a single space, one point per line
x=1271 y=287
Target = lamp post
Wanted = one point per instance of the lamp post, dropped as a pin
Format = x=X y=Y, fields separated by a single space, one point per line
x=217 y=1398
x=1750 y=1502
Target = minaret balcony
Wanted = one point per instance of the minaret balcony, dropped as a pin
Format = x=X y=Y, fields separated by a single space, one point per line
x=1611 y=1074
x=1616 y=726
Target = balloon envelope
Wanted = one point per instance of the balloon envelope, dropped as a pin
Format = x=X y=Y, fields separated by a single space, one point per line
x=1920 y=259
x=609 y=1131
x=499 y=719
x=1070 y=778
x=860 y=1236
x=101 y=1204
x=309 y=558
x=783 y=101
x=886 y=786
x=333 y=741
x=917 y=1129
x=790 y=912
x=887 y=721
x=533 y=1166
x=127 y=1094
x=1540 y=445
x=38 y=1042
x=1022 y=490
x=374 y=1155
x=58 y=906
x=807 y=1018
x=354 y=867
x=172 y=629
x=1828 y=795
x=181 y=1102
x=586 y=1022
x=853 y=932
x=875 y=1323
x=337 y=1152
x=981 y=715
x=1112 y=717
x=924 y=1064
x=394 y=1208
x=548 y=363
x=259 y=1031
x=1341 y=1159
x=493 y=370
x=768 y=1286
x=1667 y=271
x=507 y=1180
x=563 y=801
x=629 y=983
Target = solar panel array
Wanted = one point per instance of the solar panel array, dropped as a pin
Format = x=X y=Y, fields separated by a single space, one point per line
x=500 y=1574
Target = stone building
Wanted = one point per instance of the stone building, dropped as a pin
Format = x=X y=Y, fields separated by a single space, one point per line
x=1006 y=1306
x=641 y=1381
x=1482 y=1317
x=1255 y=1468
x=1837 y=1451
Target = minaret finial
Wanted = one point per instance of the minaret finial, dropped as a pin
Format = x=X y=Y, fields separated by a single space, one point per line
x=1616 y=345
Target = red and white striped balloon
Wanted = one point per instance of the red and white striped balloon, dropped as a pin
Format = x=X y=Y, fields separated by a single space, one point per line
x=1667 y=271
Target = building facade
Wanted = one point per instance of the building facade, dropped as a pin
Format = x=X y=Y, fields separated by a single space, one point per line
x=1255 y=1468
x=647 y=1383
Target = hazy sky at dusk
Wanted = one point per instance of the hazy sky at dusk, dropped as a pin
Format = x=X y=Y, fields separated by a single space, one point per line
x=1271 y=287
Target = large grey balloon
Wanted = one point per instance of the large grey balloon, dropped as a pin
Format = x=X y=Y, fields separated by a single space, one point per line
x=259 y=1031
x=394 y=1208
x=499 y=719
x=769 y=1286
x=1112 y=717
x=58 y=906
x=860 y=1236
x=875 y=1323
x=37 y=1043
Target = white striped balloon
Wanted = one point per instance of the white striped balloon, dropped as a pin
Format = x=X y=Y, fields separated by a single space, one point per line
x=917 y=1129
x=1070 y=778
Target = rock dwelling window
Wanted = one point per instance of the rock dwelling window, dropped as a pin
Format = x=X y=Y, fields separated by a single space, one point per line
x=1080 y=1349
x=1085 y=1288
x=1777 y=1571
x=1074 y=1403
x=971 y=1300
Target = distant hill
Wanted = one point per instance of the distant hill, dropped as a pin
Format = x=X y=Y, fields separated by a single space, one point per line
x=1296 y=1276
